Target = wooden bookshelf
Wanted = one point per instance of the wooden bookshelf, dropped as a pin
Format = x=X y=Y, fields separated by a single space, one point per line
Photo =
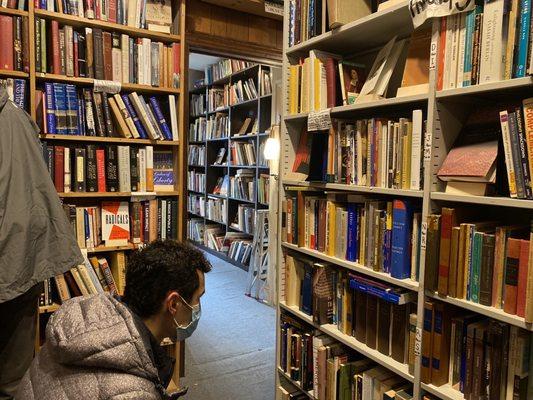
x=116 y=194
x=13 y=74
x=13 y=11
x=446 y=112
x=105 y=139
x=261 y=106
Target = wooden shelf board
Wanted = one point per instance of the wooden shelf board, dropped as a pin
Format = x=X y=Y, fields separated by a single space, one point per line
x=220 y=255
x=13 y=11
x=364 y=33
x=104 y=249
x=98 y=139
x=486 y=88
x=296 y=384
x=491 y=312
x=331 y=330
x=115 y=194
x=49 y=309
x=444 y=392
x=486 y=200
x=355 y=188
x=13 y=74
x=79 y=22
x=243 y=103
x=130 y=87
x=356 y=267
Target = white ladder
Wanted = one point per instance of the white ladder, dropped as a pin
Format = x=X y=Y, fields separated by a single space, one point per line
x=258 y=269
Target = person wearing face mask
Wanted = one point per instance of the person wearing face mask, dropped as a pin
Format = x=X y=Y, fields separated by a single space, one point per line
x=106 y=347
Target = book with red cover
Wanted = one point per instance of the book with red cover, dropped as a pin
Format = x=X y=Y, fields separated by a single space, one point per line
x=112 y=13
x=6 y=43
x=76 y=55
x=331 y=81
x=447 y=222
x=56 y=58
x=115 y=223
x=59 y=168
x=176 y=48
x=108 y=58
x=72 y=285
x=471 y=163
x=523 y=267
x=511 y=275
x=100 y=169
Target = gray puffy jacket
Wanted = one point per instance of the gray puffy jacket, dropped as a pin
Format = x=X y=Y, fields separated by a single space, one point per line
x=93 y=350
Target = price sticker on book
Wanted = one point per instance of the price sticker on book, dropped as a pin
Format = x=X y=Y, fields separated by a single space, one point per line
x=418 y=342
x=111 y=87
x=319 y=120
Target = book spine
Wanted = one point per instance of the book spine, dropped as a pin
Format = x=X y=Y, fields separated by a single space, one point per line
x=107 y=116
x=50 y=108
x=523 y=39
x=92 y=169
x=444 y=252
x=427 y=342
x=524 y=160
x=59 y=165
x=100 y=170
x=111 y=168
x=487 y=264
x=136 y=121
x=476 y=48
x=516 y=155
x=508 y=153
x=511 y=275
x=134 y=169
x=467 y=68
x=160 y=118
x=527 y=108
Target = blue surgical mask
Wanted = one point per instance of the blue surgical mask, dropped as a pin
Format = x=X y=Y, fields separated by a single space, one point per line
x=184 y=332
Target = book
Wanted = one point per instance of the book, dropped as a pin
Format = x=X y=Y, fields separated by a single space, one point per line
x=115 y=223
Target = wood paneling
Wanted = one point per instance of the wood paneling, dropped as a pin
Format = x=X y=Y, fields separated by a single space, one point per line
x=222 y=30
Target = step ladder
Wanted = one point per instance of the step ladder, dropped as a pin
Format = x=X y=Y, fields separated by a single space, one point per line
x=258 y=269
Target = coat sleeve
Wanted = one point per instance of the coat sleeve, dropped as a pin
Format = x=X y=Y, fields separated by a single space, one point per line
x=36 y=239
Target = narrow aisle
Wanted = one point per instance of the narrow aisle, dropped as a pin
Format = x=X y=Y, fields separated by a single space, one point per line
x=231 y=355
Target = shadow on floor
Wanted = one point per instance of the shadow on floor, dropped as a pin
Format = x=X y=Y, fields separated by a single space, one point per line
x=231 y=355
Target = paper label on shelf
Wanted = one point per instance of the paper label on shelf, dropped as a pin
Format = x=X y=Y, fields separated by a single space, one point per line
x=418 y=342
x=421 y=10
x=111 y=87
x=319 y=120
x=423 y=235
x=427 y=146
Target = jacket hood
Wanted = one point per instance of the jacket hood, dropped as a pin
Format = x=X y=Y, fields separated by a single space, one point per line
x=99 y=332
x=3 y=98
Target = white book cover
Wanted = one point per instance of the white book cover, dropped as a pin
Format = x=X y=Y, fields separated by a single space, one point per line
x=127 y=117
x=390 y=64
x=115 y=223
x=491 y=68
x=140 y=61
x=462 y=45
x=506 y=138
x=124 y=177
x=173 y=117
x=377 y=68
x=416 y=149
x=359 y=152
x=147 y=60
x=67 y=172
x=454 y=53
x=143 y=116
x=383 y=156
x=125 y=53
x=447 y=52
x=81 y=13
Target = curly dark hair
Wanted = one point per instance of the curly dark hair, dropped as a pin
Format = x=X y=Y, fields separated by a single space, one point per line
x=158 y=268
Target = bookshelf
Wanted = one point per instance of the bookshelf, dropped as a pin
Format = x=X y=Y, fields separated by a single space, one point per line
x=260 y=110
x=445 y=111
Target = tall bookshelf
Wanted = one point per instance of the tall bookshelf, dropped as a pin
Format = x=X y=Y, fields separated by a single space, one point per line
x=260 y=108
x=35 y=79
x=446 y=112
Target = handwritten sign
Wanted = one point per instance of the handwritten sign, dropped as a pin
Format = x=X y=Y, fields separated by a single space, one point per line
x=423 y=9
x=111 y=87
x=418 y=342
x=319 y=120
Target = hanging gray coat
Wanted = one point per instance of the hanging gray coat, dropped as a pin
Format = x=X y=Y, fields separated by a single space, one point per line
x=36 y=239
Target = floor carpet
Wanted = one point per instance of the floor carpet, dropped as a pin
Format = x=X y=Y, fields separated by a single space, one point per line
x=231 y=354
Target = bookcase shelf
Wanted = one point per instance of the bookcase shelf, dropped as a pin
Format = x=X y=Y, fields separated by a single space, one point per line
x=296 y=384
x=353 y=266
x=116 y=194
x=444 y=392
x=355 y=188
x=105 y=249
x=128 y=87
x=100 y=139
x=13 y=11
x=492 y=312
x=485 y=88
x=331 y=330
x=485 y=200
x=79 y=22
x=13 y=74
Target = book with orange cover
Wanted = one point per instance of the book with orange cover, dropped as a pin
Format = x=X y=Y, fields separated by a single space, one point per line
x=523 y=267
x=512 y=263
x=115 y=223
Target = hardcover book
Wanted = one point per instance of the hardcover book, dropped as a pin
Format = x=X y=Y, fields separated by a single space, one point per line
x=115 y=223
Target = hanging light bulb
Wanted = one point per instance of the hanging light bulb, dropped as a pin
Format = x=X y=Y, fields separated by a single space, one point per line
x=271 y=150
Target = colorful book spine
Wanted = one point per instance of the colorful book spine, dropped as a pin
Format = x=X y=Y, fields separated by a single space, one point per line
x=50 y=108
x=523 y=39
x=351 y=252
x=136 y=121
x=402 y=216
x=160 y=118
x=469 y=25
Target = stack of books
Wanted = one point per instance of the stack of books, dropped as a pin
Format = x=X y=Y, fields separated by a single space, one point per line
x=217 y=98
x=224 y=68
x=198 y=129
x=217 y=126
x=243 y=153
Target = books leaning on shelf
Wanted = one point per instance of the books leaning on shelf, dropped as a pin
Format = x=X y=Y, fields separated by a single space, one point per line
x=17 y=91
x=214 y=236
x=195 y=229
x=326 y=369
x=245 y=219
x=14 y=46
x=145 y=14
x=459 y=349
x=224 y=68
x=217 y=98
x=196 y=181
x=217 y=210
x=197 y=105
x=239 y=91
x=484 y=262
x=381 y=235
x=374 y=313
x=65 y=109
x=93 y=53
x=263 y=189
x=238 y=247
x=221 y=186
x=196 y=204
x=243 y=153
x=95 y=275
x=217 y=126
x=492 y=44
x=242 y=185
x=196 y=155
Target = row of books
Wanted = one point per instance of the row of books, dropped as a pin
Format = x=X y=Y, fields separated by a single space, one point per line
x=214 y=236
x=245 y=219
x=196 y=204
x=93 y=53
x=263 y=189
x=249 y=126
x=490 y=43
x=221 y=187
x=196 y=181
x=197 y=105
x=479 y=357
x=374 y=152
x=197 y=129
x=196 y=155
x=217 y=126
x=145 y=14
x=14 y=4
x=381 y=235
x=17 y=91
x=195 y=229
x=326 y=369
x=217 y=210
x=265 y=82
x=221 y=156
x=239 y=91
x=111 y=168
x=485 y=262
x=242 y=185
x=243 y=153
x=95 y=275
x=224 y=68
x=69 y=110
x=218 y=98
x=14 y=46
x=239 y=247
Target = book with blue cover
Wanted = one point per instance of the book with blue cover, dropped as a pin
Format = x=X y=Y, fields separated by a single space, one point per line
x=134 y=116
x=402 y=219
x=160 y=118
x=50 y=108
x=523 y=39
x=352 y=245
x=60 y=98
x=307 y=290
